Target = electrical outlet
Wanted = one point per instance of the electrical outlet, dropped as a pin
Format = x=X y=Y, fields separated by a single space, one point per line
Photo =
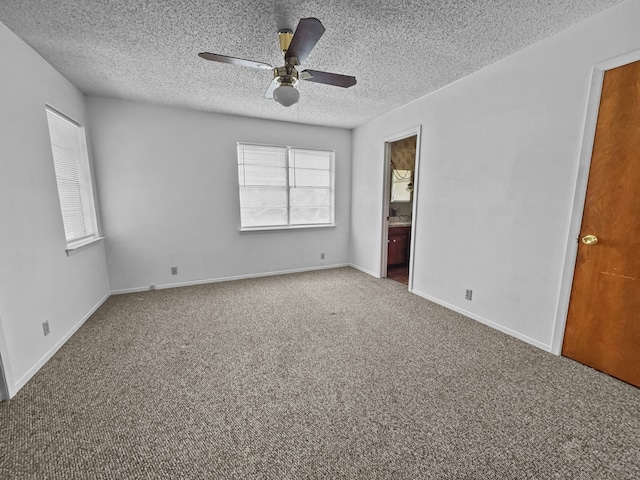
x=174 y=270
x=322 y=256
x=45 y=327
x=468 y=294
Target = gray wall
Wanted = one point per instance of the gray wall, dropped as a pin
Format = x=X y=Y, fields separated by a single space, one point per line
x=499 y=164
x=168 y=187
x=38 y=281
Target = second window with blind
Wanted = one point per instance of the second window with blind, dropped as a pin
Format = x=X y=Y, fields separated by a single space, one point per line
x=73 y=177
x=285 y=187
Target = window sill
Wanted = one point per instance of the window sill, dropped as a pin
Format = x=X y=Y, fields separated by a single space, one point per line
x=77 y=246
x=285 y=228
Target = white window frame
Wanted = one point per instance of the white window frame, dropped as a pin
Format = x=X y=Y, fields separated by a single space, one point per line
x=73 y=179
x=289 y=150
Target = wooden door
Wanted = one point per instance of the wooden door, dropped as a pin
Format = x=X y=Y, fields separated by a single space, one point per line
x=603 y=324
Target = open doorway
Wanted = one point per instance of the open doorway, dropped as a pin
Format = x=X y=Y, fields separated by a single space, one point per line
x=400 y=193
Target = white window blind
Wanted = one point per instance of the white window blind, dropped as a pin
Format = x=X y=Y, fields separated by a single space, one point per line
x=71 y=162
x=285 y=186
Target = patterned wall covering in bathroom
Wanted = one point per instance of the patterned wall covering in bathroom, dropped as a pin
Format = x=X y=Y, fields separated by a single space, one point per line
x=403 y=153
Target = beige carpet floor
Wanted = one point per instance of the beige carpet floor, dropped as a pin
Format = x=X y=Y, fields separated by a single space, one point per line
x=330 y=374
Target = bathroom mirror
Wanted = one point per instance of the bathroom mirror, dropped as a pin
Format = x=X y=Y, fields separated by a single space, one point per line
x=401 y=186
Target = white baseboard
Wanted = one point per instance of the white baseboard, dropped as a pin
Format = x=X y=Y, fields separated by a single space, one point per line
x=21 y=382
x=227 y=279
x=13 y=389
x=497 y=326
x=364 y=270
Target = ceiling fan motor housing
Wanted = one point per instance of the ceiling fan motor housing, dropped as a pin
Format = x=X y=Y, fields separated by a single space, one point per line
x=287 y=74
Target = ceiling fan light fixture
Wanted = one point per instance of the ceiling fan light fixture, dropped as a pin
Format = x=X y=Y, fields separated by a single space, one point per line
x=286 y=95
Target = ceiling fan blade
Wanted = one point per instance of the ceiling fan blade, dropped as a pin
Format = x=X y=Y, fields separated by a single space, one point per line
x=327 y=78
x=272 y=86
x=308 y=32
x=214 y=57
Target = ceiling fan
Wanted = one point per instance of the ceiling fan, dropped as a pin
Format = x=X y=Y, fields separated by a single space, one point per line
x=296 y=47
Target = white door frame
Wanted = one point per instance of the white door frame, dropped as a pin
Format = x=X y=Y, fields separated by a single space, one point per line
x=580 y=193
x=386 y=198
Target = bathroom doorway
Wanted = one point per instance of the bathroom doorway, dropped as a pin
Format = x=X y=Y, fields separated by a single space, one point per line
x=400 y=193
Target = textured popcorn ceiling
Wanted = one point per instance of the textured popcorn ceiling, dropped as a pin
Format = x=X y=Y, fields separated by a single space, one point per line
x=399 y=50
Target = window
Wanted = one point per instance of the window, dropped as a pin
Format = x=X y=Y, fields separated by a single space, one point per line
x=285 y=187
x=71 y=162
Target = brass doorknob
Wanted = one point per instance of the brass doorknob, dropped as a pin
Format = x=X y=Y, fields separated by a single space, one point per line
x=589 y=239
